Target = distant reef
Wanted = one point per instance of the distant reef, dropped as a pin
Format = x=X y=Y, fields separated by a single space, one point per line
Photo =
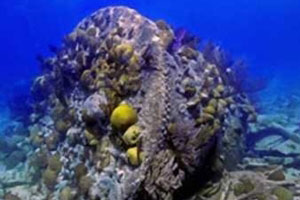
x=128 y=109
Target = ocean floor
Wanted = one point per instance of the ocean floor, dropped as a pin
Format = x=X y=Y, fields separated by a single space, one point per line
x=4 y=115
x=275 y=138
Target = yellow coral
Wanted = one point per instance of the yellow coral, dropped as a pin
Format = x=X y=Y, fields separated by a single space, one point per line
x=88 y=135
x=209 y=109
x=205 y=117
x=133 y=157
x=123 y=116
x=131 y=136
x=92 y=140
x=134 y=62
x=220 y=88
x=213 y=102
x=124 y=52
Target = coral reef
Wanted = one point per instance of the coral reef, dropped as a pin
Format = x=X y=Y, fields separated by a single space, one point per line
x=128 y=109
x=243 y=185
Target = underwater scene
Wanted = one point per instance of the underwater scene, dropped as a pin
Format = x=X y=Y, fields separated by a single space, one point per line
x=150 y=100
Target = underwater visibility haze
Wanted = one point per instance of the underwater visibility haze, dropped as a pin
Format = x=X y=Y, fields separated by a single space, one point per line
x=150 y=100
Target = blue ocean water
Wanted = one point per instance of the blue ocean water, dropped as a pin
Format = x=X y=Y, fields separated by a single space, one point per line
x=265 y=34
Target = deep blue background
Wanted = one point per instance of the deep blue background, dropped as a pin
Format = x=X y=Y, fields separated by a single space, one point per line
x=264 y=32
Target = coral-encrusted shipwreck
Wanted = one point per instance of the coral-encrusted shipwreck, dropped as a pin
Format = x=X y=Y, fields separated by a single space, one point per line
x=120 y=115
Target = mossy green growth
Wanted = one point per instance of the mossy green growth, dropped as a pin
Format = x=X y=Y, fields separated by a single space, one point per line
x=123 y=116
x=243 y=187
x=282 y=193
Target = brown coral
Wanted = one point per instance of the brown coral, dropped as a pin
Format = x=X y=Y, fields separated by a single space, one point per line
x=85 y=184
x=49 y=178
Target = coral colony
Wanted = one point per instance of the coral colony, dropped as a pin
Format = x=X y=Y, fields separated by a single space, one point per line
x=127 y=109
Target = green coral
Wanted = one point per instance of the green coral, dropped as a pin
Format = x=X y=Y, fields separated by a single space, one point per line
x=282 y=193
x=243 y=187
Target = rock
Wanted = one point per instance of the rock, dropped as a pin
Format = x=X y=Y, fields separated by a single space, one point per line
x=120 y=67
x=11 y=197
x=15 y=158
x=277 y=175
x=94 y=108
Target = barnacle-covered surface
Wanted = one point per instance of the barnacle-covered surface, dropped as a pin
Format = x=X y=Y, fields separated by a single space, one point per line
x=119 y=114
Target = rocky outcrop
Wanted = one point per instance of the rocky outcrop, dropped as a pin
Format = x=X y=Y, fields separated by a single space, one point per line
x=189 y=118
